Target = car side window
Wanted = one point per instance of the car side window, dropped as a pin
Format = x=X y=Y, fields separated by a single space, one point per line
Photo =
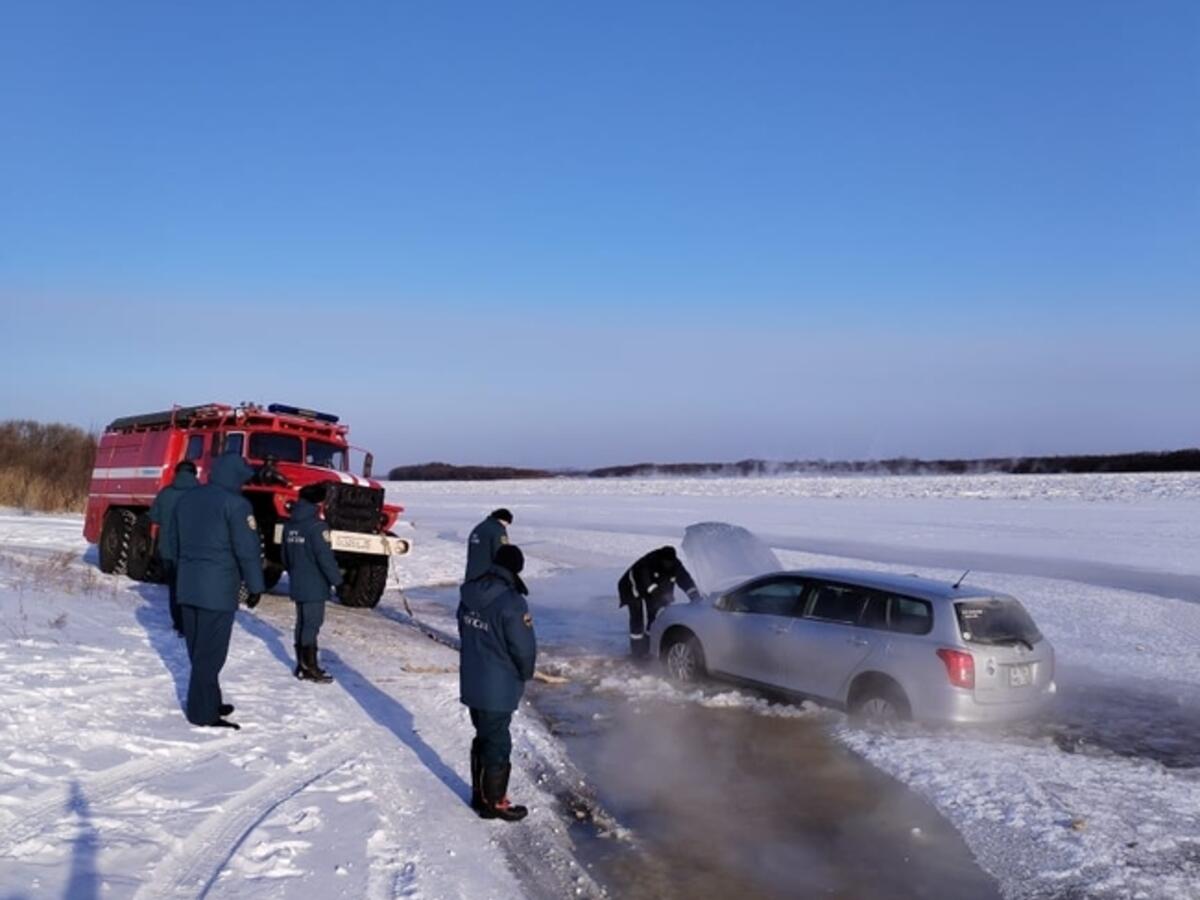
x=875 y=612
x=908 y=616
x=836 y=603
x=195 y=447
x=770 y=598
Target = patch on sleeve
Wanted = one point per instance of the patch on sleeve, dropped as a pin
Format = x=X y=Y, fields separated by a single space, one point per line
x=250 y=521
x=504 y=538
x=325 y=534
x=528 y=620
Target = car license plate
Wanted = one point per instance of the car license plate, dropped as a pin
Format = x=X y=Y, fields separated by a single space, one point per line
x=1019 y=676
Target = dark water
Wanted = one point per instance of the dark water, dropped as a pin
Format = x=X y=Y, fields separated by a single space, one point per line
x=731 y=803
x=1121 y=718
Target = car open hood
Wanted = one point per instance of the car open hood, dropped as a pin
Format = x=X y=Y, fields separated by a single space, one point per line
x=720 y=555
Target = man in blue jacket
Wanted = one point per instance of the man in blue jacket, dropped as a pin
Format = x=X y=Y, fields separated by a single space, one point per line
x=312 y=572
x=497 y=656
x=162 y=512
x=215 y=548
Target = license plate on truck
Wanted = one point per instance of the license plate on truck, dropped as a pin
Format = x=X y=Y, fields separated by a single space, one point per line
x=1020 y=675
x=354 y=542
x=378 y=544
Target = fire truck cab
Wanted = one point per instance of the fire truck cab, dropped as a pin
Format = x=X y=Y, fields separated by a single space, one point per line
x=289 y=448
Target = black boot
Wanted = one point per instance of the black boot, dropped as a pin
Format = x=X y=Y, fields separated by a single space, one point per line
x=316 y=664
x=477 y=803
x=226 y=709
x=495 y=796
x=223 y=723
x=308 y=667
x=639 y=649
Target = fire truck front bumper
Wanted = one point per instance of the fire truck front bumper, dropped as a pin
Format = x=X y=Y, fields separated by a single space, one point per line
x=356 y=542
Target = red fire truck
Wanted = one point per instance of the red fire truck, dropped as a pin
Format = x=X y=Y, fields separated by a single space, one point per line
x=289 y=448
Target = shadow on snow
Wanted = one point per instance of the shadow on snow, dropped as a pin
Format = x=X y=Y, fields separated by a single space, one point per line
x=392 y=715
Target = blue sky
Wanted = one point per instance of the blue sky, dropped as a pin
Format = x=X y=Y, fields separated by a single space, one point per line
x=562 y=233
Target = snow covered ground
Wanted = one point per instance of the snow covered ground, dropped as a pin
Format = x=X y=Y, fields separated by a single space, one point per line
x=357 y=789
x=352 y=790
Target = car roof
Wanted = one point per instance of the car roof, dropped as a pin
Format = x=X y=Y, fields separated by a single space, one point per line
x=908 y=584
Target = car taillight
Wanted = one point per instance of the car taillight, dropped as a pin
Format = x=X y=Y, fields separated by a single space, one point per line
x=960 y=667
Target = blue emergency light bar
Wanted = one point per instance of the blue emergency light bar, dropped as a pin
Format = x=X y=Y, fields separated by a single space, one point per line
x=285 y=410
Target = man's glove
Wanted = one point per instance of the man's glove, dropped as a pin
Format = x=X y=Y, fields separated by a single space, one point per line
x=252 y=600
x=694 y=595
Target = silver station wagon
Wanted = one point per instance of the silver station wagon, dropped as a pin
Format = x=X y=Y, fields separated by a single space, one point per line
x=881 y=645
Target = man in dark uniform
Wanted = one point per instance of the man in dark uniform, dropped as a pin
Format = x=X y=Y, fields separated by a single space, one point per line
x=486 y=538
x=312 y=572
x=162 y=511
x=646 y=587
x=497 y=656
x=215 y=548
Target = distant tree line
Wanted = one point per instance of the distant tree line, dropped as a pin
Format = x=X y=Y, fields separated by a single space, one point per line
x=1171 y=461
x=439 y=471
x=45 y=467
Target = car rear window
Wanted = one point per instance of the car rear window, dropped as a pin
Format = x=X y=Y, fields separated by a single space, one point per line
x=908 y=616
x=996 y=620
x=837 y=603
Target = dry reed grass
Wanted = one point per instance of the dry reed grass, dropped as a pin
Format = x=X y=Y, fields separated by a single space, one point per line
x=45 y=467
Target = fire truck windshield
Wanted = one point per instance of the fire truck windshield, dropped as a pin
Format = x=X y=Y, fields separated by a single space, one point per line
x=326 y=455
x=284 y=447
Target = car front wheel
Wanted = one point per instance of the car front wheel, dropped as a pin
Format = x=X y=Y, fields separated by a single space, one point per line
x=685 y=660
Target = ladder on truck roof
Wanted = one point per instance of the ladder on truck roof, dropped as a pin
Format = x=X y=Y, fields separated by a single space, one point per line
x=180 y=416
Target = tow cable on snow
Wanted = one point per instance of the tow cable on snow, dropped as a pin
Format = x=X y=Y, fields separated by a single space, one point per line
x=446 y=641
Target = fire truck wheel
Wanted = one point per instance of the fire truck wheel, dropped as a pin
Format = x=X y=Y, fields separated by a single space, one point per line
x=140 y=563
x=363 y=584
x=115 y=538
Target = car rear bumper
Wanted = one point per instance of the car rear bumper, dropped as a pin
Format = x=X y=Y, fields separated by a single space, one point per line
x=957 y=706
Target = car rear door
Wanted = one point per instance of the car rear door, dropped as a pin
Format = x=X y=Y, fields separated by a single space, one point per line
x=755 y=621
x=826 y=644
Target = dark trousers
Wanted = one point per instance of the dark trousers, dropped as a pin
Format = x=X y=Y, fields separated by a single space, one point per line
x=309 y=618
x=168 y=576
x=642 y=613
x=491 y=731
x=207 y=632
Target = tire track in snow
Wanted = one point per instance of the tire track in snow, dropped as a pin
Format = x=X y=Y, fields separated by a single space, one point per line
x=48 y=808
x=61 y=693
x=192 y=868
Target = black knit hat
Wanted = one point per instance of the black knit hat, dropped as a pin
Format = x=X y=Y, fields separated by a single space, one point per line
x=502 y=514
x=510 y=557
